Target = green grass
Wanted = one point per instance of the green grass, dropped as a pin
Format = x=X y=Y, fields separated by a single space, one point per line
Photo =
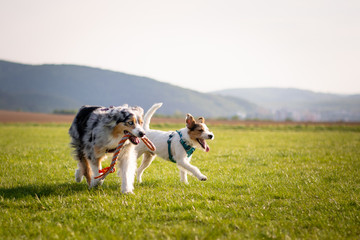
x=263 y=183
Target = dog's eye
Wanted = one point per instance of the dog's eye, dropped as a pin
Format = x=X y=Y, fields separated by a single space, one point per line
x=201 y=130
x=131 y=123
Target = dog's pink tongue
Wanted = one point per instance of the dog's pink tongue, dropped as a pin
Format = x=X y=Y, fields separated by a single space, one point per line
x=207 y=149
x=204 y=145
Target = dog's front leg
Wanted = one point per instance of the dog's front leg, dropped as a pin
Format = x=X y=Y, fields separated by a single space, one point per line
x=127 y=164
x=192 y=169
x=95 y=165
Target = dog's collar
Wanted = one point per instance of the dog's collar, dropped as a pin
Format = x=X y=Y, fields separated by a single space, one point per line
x=188 y=149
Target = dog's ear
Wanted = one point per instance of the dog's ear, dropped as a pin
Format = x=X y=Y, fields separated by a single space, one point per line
x=190 y=121
x=201 y=120
x=139 y=110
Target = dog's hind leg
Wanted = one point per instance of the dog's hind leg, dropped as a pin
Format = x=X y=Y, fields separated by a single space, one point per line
x=147 y=159
x=183 y=176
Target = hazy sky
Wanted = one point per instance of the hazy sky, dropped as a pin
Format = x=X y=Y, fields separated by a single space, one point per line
x=203 y=45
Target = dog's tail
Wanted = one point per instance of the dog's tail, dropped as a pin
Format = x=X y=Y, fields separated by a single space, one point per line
x=149 y=114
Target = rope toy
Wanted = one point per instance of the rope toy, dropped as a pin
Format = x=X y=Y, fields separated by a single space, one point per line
x=105 y=171
x=148 y=143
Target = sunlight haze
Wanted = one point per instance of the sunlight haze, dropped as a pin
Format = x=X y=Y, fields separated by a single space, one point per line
x=201 y=45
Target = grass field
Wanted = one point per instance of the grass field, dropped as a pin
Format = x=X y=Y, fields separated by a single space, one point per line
x=298 y=182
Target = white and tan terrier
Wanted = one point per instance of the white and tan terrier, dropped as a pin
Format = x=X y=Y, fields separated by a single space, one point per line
x=176 y=146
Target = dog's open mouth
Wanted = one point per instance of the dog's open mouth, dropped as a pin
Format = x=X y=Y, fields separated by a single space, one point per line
x=203 y=144
x=134 y=140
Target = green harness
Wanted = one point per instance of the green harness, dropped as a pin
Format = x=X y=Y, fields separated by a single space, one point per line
x=188 y=149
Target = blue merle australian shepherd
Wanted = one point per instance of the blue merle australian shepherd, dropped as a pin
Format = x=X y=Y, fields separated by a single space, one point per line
x=96 y=131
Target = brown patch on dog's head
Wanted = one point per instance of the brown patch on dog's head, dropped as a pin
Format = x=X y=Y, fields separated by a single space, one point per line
x=198 y=132
x=141 y=121
x=119 y=129
x=128 y=126
x=195 y=129
x=130 y=122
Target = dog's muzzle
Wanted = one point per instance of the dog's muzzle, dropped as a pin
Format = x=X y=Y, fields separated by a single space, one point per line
x=133 y=139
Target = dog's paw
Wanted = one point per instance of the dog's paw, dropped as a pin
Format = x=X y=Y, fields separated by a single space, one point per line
x=127 y=189
x=203 y=178
x=96 y=183
x=127 y=192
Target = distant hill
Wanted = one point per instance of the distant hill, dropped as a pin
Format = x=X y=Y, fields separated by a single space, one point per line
x=300 y=105
x=49 y=88
x=46 y=88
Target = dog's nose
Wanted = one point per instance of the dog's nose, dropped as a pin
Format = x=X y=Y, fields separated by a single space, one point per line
x=211 y=136
x=141 y=134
